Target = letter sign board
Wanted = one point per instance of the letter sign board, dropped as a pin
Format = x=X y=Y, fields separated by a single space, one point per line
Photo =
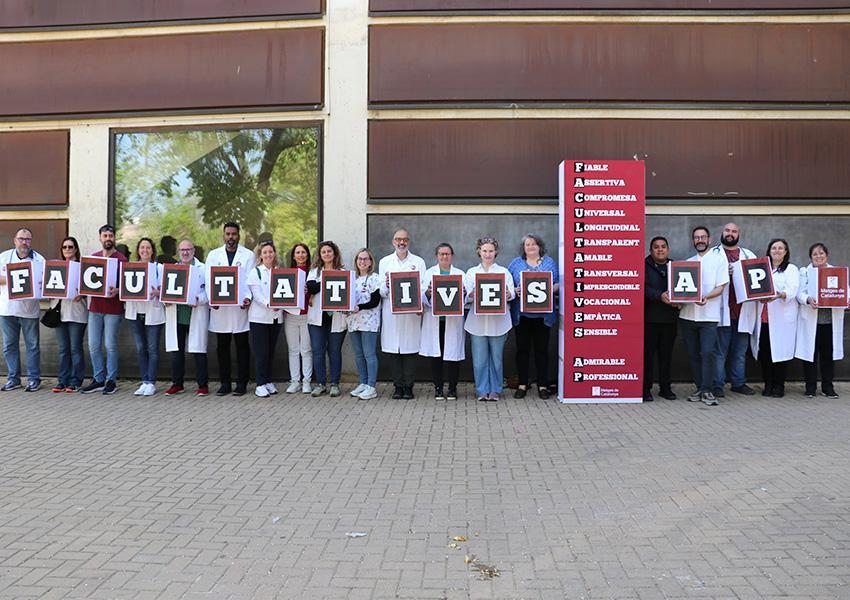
x=753 y=279
x=683 y=281
x=405 y=292
x=180 y=284
x=61 y=279
x=536 y=294
x=97 y=275
x=337 y=290
x=447 y=295
x=225 y=287
x=286 y=288
x=137 y=280
x=24 y=280
x=832 y=287
x=491 y=294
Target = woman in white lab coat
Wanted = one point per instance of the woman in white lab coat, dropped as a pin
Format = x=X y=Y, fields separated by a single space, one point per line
x=820 y=331
x=263 y=320
x=148 y=317
x=775 y=329
x=442 y=338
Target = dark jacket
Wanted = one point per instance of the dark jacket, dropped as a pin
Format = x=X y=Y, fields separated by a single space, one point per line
x=655 y=284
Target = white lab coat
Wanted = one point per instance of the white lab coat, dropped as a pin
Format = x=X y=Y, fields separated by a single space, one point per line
x=807 y=322
x=153 y=309
x=196 y=341
x=339 y=321
x=230 y=319
x=781 y=314
x=399 y=333
x=488 y=325
x=260 y=311
x=429 y=343
x=746 y=307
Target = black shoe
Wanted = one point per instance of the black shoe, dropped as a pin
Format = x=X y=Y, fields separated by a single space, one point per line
x=743 y=389
x=94 y=386
x=647 y=397
x=438 y=394
x=407 y=392
x=668 y=394
x=224 y=389
x=718 y=393
x=767 y=391
x=778 y=391
x=240 y=390
x=543 y=393
x=811 y=393
x=452 y=395
x=109 y=388
x=520 y=393
x=398 y=392
x=830 y=393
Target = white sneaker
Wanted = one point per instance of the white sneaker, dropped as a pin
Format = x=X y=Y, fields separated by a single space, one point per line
x=271 y=388
x=141 y=390
x=368 y=393
x=261 y=391
x=306 y=388
x=293 y=387
x=150 y=389
x=358 y=390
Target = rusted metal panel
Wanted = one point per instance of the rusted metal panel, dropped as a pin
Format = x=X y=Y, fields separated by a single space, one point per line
x=227 y=70
x=697 y=159
x=609 y=62
x=419 y=6
x=33 y=169
x=47 y=234
x=75 y=13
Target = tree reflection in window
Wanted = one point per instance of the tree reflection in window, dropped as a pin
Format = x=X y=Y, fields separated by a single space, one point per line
x=186 y=184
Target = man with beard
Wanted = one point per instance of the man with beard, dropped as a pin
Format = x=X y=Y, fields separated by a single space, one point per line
x=105 y=316
x=731 y=343
x=232 y=321
x=698 y=320
x=660 y=318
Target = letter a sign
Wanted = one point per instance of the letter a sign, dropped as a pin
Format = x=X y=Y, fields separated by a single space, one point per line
x=337 y=290
x=683 y=280
x=447 y=295
x=491 y=294
x=286 y=289
x=405 y=293
x=537 y=294
x=61 y=279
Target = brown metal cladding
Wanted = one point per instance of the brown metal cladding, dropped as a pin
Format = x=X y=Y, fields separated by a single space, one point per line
x=231 y=70
x=378 y=6
x=592 y=62
x=33 y=169
x=59 y=13
x=517 y=158
x=47 y=235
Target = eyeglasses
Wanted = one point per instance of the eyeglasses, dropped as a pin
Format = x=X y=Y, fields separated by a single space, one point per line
x=401 y=240
x=187 y=249
x=24 y=240
x=363 y=258
x=700 y=237
x=69 y=247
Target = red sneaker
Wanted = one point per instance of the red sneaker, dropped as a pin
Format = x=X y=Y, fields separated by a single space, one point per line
x=203 y=391
x=58 y=388
x=174 y=389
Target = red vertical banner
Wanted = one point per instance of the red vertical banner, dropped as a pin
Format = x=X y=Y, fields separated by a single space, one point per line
x=602 y=279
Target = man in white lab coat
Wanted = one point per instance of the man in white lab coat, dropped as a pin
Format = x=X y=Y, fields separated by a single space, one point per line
x=400 y=333
x=232 y=321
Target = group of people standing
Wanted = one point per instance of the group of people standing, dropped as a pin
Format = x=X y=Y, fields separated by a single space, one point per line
x=314 y=336
x=718 y=330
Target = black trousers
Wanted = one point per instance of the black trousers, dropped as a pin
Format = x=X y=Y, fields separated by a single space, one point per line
x=178 y=361
x=264 y=340
x=532 y=333
x=243 y=358
x=403 y=368
x=772 y=373
x=658 y=340
x=823 y=355
x=452 y=367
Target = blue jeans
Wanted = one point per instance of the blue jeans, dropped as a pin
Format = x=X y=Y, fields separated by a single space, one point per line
x=72 y=362
x=103 y=329
x=701 y=339
x=731 y=354
x=487 y=363
x=365 y=345
x=12 y=327
x=323 y=341
x=147 y=348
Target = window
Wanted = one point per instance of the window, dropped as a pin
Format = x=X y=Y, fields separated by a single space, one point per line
x=170 y=185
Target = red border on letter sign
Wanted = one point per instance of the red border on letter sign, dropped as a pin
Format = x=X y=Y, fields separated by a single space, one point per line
x=345 y=304
x=457 y=310
x=139 y=267
x=684 y=265
x=55 y=265
x=215 y=299
x=481 y=278
x=29 y=291
x=292 y=274
x=416 y=292
x=527 y=277
x=89 y=261
x=182 y=298
x=765 y=263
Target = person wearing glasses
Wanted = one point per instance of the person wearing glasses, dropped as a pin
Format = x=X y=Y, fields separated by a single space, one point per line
x=105 y=316
x=74 y=316
x=147 y=318
x=186 y=328
x=296 y=330
x=18 y=316
x=364 y=322
x=264 y=320
x=698 y=321
x=400 y=333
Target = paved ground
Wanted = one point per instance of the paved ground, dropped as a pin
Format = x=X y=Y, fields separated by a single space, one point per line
x=121 y=497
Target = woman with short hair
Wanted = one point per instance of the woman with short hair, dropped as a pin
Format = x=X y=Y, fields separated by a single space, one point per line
x=263 y=320
x=148 y=318
x=73 y=315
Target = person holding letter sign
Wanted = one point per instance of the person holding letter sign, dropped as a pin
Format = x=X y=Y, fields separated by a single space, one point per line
x=486 y=322
x=264 y=319
x=774 y=327
x=364 y=322
x=533 y=329
x=820 y=330
x=296 y=329
x=74 y=316
x=698 y=320
x=442 y=337
x=20 y=315
x=660 y=320
x=187 y=325
x=148 y=317
x=105 y=316
x=327 y=328
x=231 y=321
x=400 y=332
